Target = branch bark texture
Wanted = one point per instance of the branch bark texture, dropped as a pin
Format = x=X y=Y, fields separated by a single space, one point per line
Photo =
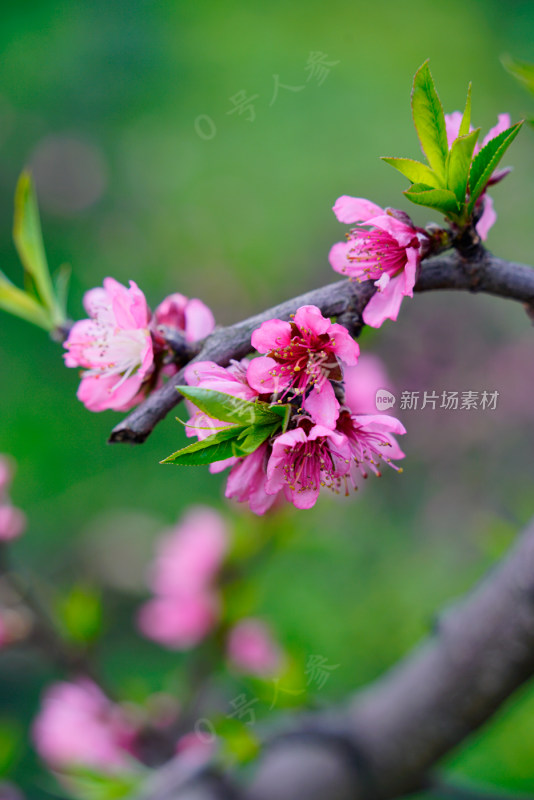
x=344 y=300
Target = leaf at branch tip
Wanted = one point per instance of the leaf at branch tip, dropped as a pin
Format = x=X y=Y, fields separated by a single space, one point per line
x=415 y=171
x=228 y=408
x=441 y=200
x=522 y=71
x=487 y=160
x=217 y=447
x=15 y=301
x=466 y=117
x=429 y=120
x=459 y=162
x=29 y=243
x=61 y=284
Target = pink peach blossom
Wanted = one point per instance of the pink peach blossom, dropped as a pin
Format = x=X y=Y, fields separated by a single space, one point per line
x=454 y=120
x=304 y=354
x=114 y=346
x=305 y=459
x=79 y=726
x=252 y=649
x=371 y=441
x=386 y=250
x=246 y=481
x=190 y=316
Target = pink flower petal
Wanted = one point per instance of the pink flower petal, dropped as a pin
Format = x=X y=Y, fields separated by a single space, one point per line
x=199 y=320
x=270 y=335
x=503 y=123
x=338 y=256
x=385 y=305
x=355 y=209
x=487 y=218
x=311 y=319
x=322 y=405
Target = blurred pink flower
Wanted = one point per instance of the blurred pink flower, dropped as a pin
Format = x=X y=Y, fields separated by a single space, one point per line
x=387 y=250
x=252 y=649
x=12 y=520
x=305 y=459
x=179 y=621
x=302 y=354
x=362 y=383
x=79 y=726
x=189 y=557
x=114 y=346
x=190 y=316
x=186 y=605
x=12 y=523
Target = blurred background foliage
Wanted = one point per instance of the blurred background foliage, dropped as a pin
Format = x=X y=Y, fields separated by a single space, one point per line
x=100 y=100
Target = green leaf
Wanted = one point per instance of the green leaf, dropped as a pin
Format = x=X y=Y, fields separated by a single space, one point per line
x=466 y=117
x=415 y=171
x=213 y=448
x=251 y=438
x=486 y=162
x=15 y=301
x=29 y=243
x=439 y=199
x=429 y=120
x=11 y=744
x=90 y=784
x=522 y=71
x=80 y=614
x=238 y=742
x=459 y=162
x=284 y=412
x=61 y=284
x=227 y=408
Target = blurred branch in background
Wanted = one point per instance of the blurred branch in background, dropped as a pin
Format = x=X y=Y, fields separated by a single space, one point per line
x=388 y=737
x=482 y=272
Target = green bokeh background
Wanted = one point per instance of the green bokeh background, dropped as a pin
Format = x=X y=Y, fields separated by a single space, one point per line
x=243 y=220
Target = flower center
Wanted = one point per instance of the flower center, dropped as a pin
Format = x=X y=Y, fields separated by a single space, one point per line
x=374 y=253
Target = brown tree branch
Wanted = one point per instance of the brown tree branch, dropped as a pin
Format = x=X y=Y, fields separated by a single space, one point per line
x=342 y=299
x=389 y=736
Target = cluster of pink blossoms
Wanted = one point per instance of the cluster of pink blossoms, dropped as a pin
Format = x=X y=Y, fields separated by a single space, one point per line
x=122 y=347
x=78 y=726
x=328 y=443
x=386 y=247
x=187 y=605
